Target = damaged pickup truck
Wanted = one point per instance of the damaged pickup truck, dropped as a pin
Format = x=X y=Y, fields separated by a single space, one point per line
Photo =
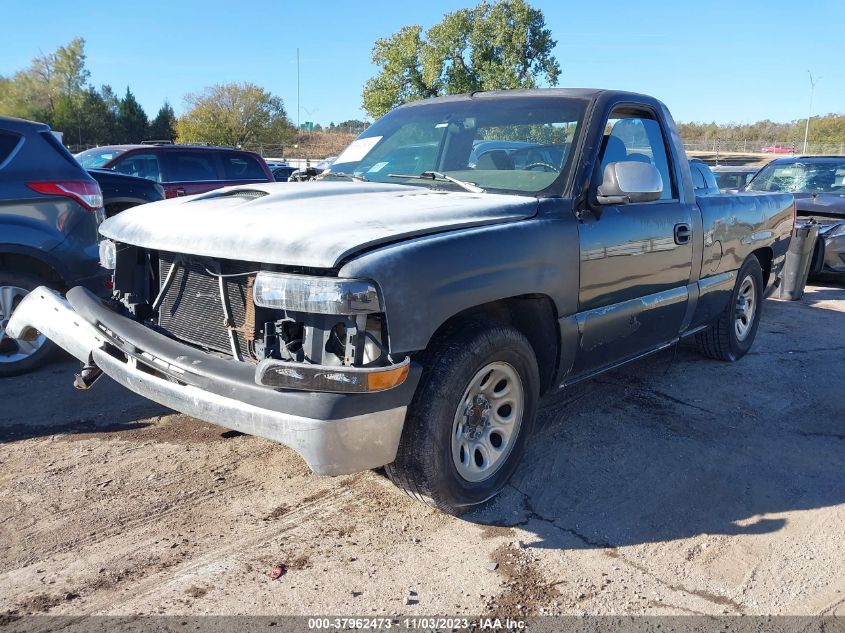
x=462 y=257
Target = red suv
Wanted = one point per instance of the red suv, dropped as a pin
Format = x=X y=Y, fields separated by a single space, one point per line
x=181 y=169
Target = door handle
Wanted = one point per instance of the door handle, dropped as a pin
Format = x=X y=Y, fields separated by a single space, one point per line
x=683 y=233
x=181 y=192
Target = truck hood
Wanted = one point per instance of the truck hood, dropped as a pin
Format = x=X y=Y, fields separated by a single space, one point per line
x=317 y=224
x=822 y=205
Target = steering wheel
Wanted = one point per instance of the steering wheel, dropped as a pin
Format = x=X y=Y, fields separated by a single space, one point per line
x=545 y=166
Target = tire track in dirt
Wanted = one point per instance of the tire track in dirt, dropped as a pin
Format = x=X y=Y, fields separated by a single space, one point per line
x=329 y=505
x=106 y=594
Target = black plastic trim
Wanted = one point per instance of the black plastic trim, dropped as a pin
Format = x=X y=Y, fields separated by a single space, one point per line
x=229 y=378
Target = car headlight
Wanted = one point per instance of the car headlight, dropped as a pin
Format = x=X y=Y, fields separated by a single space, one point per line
x=316 y=295
x=108 y=254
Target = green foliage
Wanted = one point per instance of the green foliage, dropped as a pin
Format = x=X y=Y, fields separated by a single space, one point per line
x=355 y=126
x=500 y=46
x=234 y=114
x=86 y=119
x=55 y=89
x=35 y=92
x=131 y=120
x=163 y=127
x=827 y=129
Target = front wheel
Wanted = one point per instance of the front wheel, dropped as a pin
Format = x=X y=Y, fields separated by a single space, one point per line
x=732 y=334
x=16 y=356
x=467 y=427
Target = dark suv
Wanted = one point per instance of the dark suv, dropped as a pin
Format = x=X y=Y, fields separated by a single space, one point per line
x=50 y=209
x=181 y=169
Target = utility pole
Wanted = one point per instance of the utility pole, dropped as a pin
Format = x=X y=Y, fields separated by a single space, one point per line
x=813 y=83
x=297 y=90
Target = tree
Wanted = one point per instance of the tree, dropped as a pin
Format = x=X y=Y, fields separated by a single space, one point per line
x=35 y=92
x=86 y=120
x=491 y=46
x=350 y=125
x=131 y=120
x=234 y=114
x=163 y=127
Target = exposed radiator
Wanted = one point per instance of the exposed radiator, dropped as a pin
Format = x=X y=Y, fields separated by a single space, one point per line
x=192 y=307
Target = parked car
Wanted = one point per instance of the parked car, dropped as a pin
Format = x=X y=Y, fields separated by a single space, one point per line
x=121 y=192
x=732 y=178
x=413 y=320
x=49 y=212
x=282 y=174
x=312 y=171
x=703 y=179
x=818 y=184
x=778 y=149
x=516 y=155
x=181 y=169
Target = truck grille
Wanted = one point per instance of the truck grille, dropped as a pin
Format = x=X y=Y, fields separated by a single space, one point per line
x=192 y=308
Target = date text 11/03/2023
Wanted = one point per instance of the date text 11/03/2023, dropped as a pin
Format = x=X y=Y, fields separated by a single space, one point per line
x=422 y=623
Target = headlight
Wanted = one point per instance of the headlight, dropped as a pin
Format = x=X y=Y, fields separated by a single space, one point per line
x=316 y=295
x=108 y=254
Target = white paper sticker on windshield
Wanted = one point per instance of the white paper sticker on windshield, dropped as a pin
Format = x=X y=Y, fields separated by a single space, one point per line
x=357 y=150
x=377 y=167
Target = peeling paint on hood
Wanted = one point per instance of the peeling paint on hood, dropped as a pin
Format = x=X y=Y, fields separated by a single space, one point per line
x=317 y=224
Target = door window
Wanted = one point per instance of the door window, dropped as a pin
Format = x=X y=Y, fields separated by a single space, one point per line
x=192 y=166
x=698 y=181
x=8 y=143
x=242 y=167
x=141 y=165
x=637 y=137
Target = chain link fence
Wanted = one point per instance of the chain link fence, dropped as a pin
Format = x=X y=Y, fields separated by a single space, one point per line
x=762 y=147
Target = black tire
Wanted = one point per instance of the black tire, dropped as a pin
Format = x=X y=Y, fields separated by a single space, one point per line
x=720 y=341
x=9 y=347
x=424 y=465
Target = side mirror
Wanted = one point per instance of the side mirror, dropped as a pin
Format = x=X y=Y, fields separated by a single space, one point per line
x=628 y=182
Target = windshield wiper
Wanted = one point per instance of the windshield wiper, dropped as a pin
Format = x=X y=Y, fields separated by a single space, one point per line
x=342 y=174
x=436 y=175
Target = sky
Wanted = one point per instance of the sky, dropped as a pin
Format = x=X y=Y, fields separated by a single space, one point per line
x=724 y=61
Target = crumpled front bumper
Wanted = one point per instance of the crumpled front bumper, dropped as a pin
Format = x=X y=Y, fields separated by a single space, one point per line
x=334 y=433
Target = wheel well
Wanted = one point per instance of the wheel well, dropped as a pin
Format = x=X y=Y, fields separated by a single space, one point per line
x=533 y=315
x=764 y=256
x=28 y=263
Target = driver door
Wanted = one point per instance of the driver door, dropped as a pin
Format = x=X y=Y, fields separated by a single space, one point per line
x=636 y=259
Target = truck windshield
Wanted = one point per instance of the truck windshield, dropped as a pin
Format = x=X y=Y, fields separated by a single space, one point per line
x=826 y=176
x=518 y=145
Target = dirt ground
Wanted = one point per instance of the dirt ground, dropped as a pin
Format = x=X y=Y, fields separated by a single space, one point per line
x=677 y=485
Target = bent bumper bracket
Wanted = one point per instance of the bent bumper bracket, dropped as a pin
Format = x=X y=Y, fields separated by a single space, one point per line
x=330 y=447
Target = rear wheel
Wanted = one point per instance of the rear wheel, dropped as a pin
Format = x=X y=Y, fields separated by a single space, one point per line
x=467 y=427
x=732 y=334
x=16 y=356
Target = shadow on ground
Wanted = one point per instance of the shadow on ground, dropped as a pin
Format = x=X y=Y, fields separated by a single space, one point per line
x=677 y=446
x=667 y=448
x=45 y=403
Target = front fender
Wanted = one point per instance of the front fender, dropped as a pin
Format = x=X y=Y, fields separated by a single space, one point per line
x=427 y=280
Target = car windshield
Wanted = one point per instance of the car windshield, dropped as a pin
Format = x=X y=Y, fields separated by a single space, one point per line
x=810 y=177
x=97 y=157
x=507 y=145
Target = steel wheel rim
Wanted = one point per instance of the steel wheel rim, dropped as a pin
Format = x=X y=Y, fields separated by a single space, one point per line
x=487 y=421
x=746 y=307
x=14 y=350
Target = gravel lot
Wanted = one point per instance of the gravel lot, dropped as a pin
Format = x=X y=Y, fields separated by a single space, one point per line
x=677 y=485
